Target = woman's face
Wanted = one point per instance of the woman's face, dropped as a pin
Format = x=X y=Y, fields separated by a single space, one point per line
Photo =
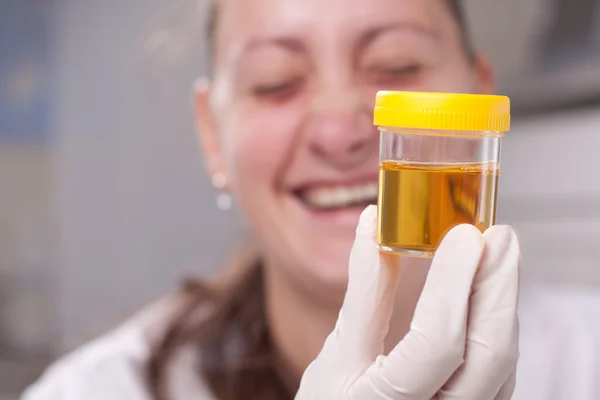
x=289 y=117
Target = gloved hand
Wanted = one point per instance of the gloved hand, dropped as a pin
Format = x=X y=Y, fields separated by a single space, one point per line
x=462 y=343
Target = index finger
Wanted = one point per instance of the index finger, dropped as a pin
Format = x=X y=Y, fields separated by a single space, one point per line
x=492 y=337
x=434 y=347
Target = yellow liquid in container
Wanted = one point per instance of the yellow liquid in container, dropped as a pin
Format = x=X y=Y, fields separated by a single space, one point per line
x=420 y=202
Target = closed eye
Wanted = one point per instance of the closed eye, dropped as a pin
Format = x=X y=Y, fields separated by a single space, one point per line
x=394 y=75
x=278 y=90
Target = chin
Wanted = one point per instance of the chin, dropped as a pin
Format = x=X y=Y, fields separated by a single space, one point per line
x=328 y=264
x=314 y=244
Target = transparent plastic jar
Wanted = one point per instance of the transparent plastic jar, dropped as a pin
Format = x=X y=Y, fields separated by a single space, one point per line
x=439 y=166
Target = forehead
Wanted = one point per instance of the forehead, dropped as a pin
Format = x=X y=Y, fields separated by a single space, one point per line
x=242 y=21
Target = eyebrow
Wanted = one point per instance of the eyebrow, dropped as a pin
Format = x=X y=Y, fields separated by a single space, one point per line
x=292 y=44
x=287 y=42
x=372 y=33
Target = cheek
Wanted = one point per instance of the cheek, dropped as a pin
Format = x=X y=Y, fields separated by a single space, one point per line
x=258 y=144
x=457 y=77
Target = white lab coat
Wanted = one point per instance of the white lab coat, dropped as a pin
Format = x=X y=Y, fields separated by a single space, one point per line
x=559 y=342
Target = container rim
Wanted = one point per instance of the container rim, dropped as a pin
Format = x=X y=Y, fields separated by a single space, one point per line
x=440 y=132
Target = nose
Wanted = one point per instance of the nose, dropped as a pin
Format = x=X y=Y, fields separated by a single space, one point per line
x=339 y=129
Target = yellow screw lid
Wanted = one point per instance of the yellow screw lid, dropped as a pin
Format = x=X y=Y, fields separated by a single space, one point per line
x=443 y=111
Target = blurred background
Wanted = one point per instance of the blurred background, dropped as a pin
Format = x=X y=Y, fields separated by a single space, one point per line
x=104 y=202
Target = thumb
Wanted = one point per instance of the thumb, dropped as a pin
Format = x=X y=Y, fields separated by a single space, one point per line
x=368 y=304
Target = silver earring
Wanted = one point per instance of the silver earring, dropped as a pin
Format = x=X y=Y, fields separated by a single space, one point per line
x=224 y=200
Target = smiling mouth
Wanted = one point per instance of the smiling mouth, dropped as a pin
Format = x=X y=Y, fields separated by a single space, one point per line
x=334 y=198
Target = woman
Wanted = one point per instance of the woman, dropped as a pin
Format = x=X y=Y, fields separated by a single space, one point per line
x=286 y=128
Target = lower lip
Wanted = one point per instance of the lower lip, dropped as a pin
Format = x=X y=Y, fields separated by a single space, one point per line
x=347 y=217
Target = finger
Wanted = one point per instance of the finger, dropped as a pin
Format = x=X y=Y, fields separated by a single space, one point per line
x=507 y=390
x=368 y=304
x=433 y=348
x=492 y=336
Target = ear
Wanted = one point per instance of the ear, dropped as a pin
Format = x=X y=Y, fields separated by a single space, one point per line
x=208 y=137
x=485 y=74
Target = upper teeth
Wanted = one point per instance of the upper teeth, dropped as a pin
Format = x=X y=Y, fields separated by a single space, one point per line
x=341 y=196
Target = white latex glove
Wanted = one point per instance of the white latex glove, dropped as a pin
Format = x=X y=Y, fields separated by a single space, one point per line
x=463 y=340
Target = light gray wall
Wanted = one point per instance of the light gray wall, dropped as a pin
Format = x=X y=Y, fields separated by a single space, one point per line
x=512 y=32
x=137 y=210
x=28 y=246
x=550 y=191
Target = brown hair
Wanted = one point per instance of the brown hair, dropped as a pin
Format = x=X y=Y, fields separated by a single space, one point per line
x=237 y=357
